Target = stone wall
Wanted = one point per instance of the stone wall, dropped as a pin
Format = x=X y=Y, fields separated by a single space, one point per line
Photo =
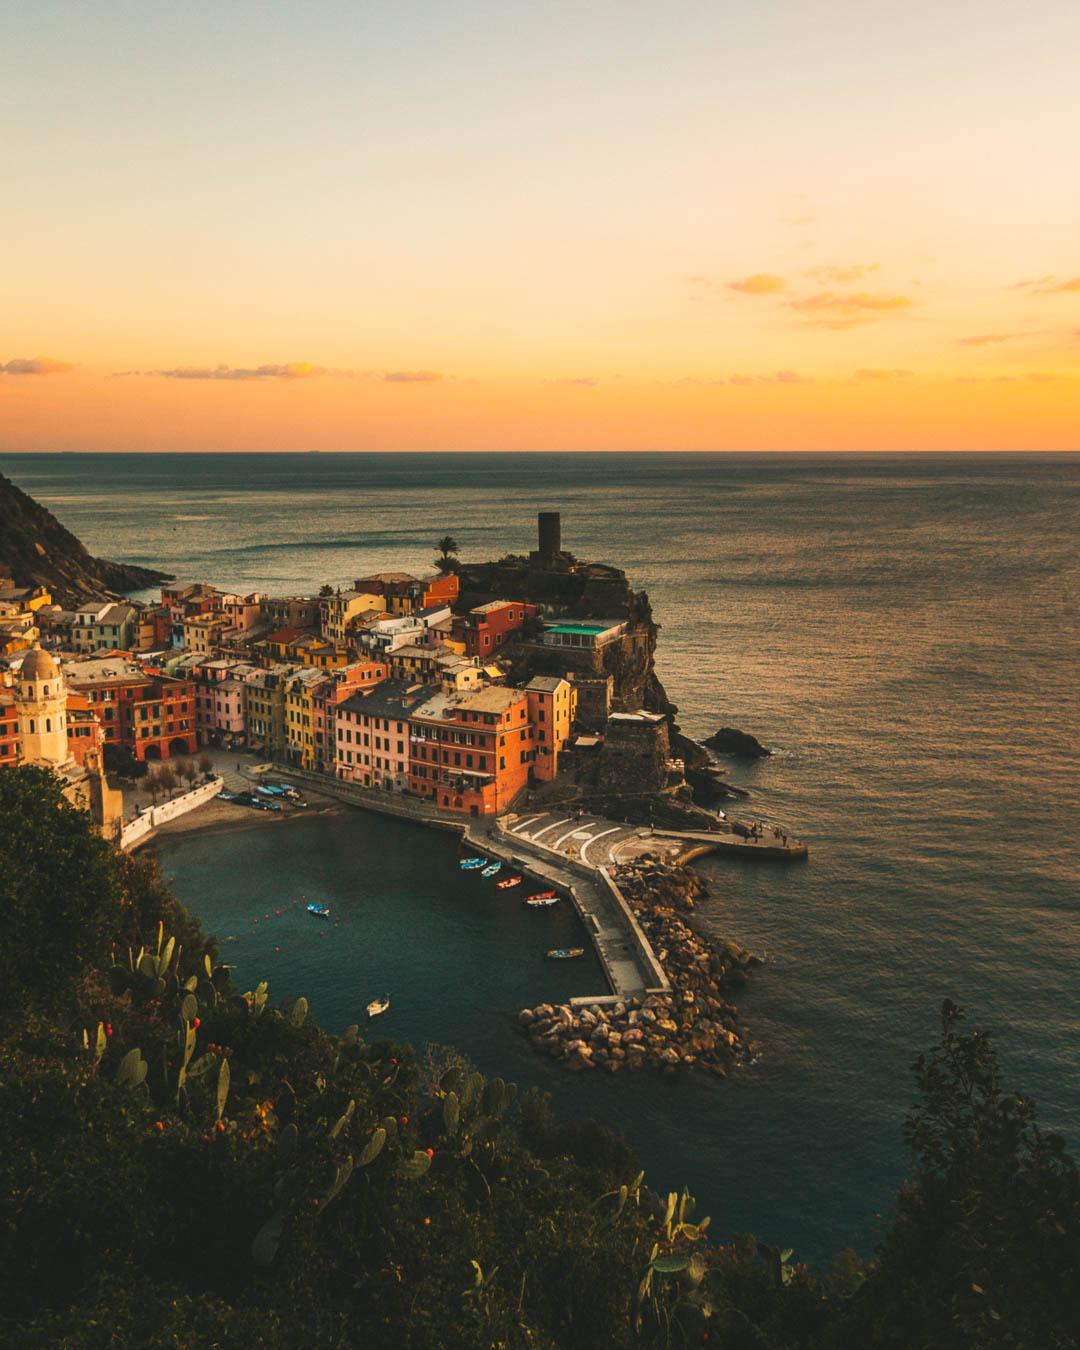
x=146 y=821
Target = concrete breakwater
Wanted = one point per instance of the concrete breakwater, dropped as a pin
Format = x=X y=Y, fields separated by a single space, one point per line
x=692 y=1024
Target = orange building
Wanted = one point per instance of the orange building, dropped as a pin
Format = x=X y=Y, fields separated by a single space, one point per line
x=552 y=710
x=471 y=753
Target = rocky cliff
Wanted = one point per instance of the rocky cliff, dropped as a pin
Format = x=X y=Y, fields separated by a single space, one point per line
x=586 y=590
x=36 y=550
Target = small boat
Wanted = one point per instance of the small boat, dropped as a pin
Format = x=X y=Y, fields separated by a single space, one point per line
x=564 y=953
x=286 y=789
x=471 y=864
x=542 y=899
x=492 y=869
x=378 y=1005
x=226 y=796
x=320 y=911
x=507 y=882
x=263 y=804
x=268 y=790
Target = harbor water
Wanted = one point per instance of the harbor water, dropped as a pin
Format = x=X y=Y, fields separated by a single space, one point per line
x=902 y=630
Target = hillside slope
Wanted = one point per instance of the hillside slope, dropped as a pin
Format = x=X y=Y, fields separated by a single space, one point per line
x=35 y=549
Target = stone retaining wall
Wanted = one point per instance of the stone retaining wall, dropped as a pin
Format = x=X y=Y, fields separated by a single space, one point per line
x=137 y=830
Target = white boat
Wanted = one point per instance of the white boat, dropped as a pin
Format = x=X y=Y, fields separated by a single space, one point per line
x=378 y=1005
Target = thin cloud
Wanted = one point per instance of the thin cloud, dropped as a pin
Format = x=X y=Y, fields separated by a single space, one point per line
x=777 y=377
x=411 y=376
x=874 y=374
x=585 y=381
x=853 y=273
x=35 y=365
x=292 y=370
x=760 y=283
x=1049 y=285
x=850 y=302
x=985 y=339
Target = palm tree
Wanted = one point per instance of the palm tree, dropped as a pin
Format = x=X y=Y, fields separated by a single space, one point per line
x=448 y=549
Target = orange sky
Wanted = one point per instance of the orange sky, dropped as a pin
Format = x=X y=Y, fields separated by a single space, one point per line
x=609 y=226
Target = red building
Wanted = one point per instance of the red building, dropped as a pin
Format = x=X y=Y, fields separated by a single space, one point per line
x=150 y=714
x=85 y=732
x=484 y=629
x=471 y=753
x=9 y=729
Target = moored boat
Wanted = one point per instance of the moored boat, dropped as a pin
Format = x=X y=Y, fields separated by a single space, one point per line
x=507 y=882
x=471 y=864
x=542 y=898
x=492 y=869
x=564 y=953
x=378 y=1005
x=320 y=911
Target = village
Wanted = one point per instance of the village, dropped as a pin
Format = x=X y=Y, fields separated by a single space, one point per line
x=385 y=685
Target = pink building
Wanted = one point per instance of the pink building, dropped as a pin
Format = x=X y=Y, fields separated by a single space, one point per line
x=372 y=736
x=219 y=701
x=348 y=682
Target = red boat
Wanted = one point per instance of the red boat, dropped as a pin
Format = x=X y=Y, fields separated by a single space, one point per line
x=542 y=898
x=507 y=882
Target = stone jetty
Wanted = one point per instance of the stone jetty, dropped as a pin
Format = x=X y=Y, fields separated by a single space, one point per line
x=693 y=1025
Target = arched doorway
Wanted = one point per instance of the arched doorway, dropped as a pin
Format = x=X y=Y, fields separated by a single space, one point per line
x=152 y=752
x=178 y=746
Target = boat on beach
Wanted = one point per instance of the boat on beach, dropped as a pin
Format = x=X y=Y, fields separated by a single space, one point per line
x=507 y=882
x=378 y=1005
x=542 y=899
x=471 y=864
x=320 y=911
x=564 y=953
x=492 y=869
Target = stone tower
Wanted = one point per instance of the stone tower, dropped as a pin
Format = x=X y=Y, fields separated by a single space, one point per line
x=41 y=704
x=550 y=535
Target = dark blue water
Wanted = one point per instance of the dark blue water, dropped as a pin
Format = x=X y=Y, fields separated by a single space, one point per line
x=904 y=631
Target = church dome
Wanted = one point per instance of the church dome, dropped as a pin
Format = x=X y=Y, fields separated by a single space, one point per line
x=39 y=665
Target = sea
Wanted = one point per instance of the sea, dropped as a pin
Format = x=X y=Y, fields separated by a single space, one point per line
x=902 y=630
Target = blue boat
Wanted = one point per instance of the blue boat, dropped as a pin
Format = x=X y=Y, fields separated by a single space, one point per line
x=471 y=864
x=491 y=870
x=320 y=911
x=265 y=790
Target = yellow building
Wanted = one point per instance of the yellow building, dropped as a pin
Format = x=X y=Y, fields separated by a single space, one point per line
x=552 y=709
x=264 y=710
x=300 y=717
x=203 y=633
x=335 y=611
x=318 y=652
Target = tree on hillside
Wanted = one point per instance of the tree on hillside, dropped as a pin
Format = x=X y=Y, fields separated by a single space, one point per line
x=447 y=561
x=57 y=886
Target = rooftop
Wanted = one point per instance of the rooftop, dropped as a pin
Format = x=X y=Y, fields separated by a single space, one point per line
x=545 y=684
x=589 y=627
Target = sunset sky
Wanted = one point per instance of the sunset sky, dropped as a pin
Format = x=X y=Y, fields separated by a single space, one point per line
x=792 y=224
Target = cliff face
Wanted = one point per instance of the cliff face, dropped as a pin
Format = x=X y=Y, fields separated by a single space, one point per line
x=593 y=590
x=36 y=550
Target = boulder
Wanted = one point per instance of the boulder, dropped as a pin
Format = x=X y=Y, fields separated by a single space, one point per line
x=740 y=744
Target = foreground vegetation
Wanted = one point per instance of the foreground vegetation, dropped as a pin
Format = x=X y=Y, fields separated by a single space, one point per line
x=184 y=1164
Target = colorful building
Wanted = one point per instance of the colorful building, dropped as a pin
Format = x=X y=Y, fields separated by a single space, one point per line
x=148 y=713
x=9 y=728
x=264 y=709
x=552 y=711
x=335 y=611
x=372 y=736
x=471 y=753
x=104 y=624
x=354 y=681
x=484 y=629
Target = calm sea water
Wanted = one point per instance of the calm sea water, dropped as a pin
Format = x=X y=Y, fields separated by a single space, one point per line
x=902 y=629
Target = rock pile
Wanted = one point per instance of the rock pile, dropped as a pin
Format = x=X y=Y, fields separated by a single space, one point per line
x=692 y=1026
